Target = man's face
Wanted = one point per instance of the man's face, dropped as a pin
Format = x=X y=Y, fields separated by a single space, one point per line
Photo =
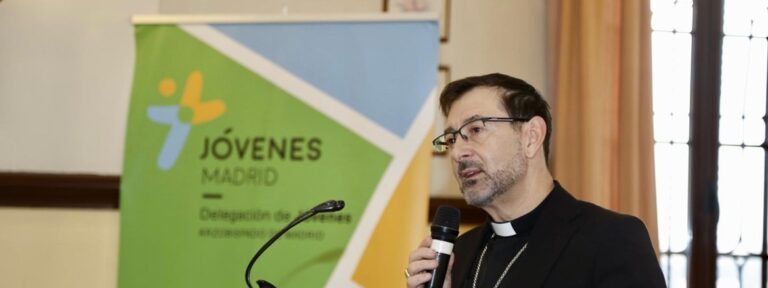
x=487 y=168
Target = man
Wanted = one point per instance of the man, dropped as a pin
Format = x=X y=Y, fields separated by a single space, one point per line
x=538 y=235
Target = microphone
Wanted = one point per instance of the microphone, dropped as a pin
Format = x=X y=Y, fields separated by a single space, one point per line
x=327 y=206
x=445 y=228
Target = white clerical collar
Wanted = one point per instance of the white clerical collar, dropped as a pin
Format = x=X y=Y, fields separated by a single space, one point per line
x=503 y=229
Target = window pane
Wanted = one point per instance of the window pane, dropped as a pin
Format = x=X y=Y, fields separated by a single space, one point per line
x=671 y=72
x=746 y=17
x=662 y=131
x=675 y=268
x=671 y=15
x=737 y=131
x=743 y=80
x=756 y=80
x=750 y=275
x=727 y=272
x=735 y=64
x=671 y=127
x=740 y=195
x=739 y=272
x=672 y=196
x=754 y=131
x=681 y=128
x=731 y=130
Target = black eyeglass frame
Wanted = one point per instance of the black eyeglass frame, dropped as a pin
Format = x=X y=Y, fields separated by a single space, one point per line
x=435 y=141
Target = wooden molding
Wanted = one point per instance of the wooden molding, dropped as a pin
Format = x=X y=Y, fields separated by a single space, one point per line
x=103 y=192
x=59 y=190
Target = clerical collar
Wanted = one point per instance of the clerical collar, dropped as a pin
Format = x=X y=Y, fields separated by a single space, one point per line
x=503 y=229
x=520 y=225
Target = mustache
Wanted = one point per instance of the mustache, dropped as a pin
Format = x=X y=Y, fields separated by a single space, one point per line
x=465 y=164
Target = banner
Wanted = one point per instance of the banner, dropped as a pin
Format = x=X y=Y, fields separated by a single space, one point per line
x=237 y=126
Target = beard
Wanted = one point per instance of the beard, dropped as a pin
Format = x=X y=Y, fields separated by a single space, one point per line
x=496 y=183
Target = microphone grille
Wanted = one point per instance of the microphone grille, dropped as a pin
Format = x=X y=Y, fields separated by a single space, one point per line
x=447 y=216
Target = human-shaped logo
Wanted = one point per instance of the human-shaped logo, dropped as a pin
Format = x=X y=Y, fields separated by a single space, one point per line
x=190 y=112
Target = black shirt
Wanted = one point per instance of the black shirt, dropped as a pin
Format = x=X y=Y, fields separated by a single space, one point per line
x=501 y=250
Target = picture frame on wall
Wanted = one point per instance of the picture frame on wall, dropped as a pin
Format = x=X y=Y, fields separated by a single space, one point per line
x=441 y=7
x=443 y=78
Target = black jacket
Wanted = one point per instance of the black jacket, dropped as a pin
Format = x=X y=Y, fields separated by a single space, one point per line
x=573 y=244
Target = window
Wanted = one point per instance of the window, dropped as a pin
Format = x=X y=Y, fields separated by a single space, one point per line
x=740 y=149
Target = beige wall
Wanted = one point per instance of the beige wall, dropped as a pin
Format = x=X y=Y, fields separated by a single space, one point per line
x=58 y=248
x=65 y=75
x=492 y=36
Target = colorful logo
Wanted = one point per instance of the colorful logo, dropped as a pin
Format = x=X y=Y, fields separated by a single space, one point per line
x=191 y=111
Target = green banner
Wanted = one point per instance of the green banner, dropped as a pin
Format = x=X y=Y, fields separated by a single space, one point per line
x=220 y=155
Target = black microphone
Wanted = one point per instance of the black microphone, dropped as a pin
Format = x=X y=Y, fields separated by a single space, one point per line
x=327 y=206
x=445 y=228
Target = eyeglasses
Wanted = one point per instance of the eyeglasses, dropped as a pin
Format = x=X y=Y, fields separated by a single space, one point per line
x=474 y=131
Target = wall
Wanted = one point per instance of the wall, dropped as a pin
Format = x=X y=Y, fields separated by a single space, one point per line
x=491 y=36
x=65 y=76
x=58 y=248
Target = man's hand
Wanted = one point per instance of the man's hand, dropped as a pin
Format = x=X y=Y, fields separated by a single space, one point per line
x=421 y=261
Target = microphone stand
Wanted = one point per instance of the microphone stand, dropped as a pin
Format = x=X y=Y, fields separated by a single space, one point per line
x=328 y=206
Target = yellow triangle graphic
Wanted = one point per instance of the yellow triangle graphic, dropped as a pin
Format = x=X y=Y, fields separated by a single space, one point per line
x=401 y=227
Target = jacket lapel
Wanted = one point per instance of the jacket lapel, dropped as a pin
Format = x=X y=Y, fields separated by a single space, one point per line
x=473 y=246
x=550 y=234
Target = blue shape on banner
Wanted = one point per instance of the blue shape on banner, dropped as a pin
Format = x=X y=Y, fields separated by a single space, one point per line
x=177 y=135
x=332 y=56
